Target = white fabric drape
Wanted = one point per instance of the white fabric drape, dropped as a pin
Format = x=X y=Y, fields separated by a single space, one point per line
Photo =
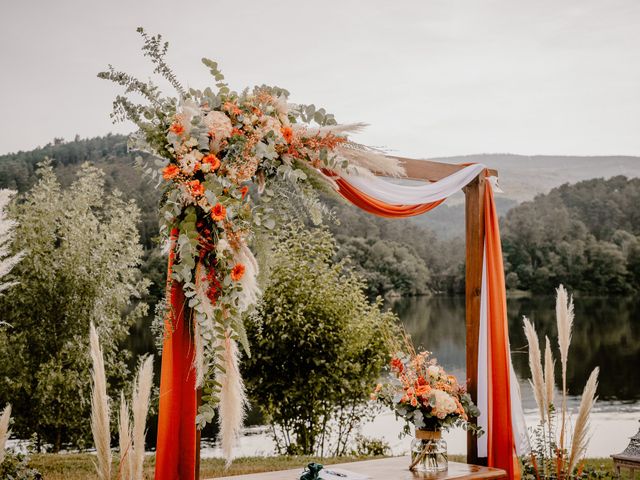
x=390 y=192
x=518 y=424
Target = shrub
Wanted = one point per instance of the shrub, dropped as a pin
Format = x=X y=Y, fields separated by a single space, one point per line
x=317 y=347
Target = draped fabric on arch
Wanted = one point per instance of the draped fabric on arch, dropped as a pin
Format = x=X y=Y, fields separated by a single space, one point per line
x=498 y=392
x=176 y=443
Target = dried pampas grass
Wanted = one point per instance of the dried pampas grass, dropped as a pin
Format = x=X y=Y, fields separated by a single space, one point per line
x=338 y=130
x=4 y=430
x=233 y=400
x=140 y=408
x=369 y=159
x=100 y=408
x=249 y=281
x=564 y=319
x=549 y=370
x=581 y=429
x=535 y=365
x=124 y=442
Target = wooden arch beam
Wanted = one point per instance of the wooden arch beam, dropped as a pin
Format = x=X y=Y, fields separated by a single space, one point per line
x=431 y=171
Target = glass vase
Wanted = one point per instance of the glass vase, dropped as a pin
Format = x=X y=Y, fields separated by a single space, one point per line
x=428 y=452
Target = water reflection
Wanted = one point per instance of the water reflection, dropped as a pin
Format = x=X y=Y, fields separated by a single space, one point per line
x=606 y=334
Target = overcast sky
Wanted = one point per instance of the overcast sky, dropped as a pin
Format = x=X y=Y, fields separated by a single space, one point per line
x=431 y=77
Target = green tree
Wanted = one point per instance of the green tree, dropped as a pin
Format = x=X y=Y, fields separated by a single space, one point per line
x=81 y=266
x=318 y=346
x=386 y=265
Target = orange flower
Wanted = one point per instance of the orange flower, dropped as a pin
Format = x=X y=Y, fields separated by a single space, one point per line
x=218 y=212
x=196 y=188
x=212 y=160
x=422 y=390
x=231 y=107
x=237 y=272
x=170 y=171
x=397 y=365
x=287 y=133
x=244 y=190
x=177 y=128
x=236 y=131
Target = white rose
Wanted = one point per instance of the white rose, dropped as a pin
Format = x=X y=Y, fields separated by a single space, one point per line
x=433 y=371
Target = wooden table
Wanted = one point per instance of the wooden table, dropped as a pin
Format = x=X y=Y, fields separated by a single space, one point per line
x=395 y=468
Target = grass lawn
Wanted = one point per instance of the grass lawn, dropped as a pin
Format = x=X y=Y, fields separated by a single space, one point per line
x=80 y=466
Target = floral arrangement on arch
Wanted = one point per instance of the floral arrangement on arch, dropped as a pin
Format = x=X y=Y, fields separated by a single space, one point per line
x=221 y=157
x=422 y=393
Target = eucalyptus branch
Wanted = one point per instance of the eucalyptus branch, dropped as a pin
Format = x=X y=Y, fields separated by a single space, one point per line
x=156 y=50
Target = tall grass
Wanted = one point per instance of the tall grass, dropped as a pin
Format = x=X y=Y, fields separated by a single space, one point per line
x=558 y=454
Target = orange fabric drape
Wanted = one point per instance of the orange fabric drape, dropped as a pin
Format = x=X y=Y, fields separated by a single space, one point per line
x=176 y=444
x=371 y=205
x=500 y=440
x=501 y=445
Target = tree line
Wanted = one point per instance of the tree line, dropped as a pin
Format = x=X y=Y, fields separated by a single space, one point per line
x=585 y=236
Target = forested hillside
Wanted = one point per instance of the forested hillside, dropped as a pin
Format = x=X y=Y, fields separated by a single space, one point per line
x=585 y=235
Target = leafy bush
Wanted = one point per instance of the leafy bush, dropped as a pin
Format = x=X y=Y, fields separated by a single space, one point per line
x=81 y=265
x=15 y=466
x=317 y=347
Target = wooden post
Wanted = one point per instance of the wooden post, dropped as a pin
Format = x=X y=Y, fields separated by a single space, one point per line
x=474 y=227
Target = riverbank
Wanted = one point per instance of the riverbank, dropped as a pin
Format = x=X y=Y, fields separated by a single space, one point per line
x=81 y=466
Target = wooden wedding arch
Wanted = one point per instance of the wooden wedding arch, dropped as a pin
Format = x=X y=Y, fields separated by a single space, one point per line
x=430 y=171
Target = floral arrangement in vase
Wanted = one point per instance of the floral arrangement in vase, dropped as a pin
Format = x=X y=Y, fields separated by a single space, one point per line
x=422 y=393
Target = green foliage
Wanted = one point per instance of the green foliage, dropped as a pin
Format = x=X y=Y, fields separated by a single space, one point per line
x=15 y=466
x=318 y=310
x=386 y=266
x=585 y=236
x=371 y=447
x=82 y=266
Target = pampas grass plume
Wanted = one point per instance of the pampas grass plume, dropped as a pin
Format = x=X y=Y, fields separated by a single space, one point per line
x=140 y=407
x=535 y=365
x=581 y=429
x=124 y=436
x=549 y=367
x=233 y=400
x=100 y=408
x=564 y=318
x=4 y=430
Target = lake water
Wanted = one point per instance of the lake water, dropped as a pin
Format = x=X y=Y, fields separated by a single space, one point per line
x=606 y=334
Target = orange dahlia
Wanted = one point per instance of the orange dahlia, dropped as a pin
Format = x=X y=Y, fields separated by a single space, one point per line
x=197 y=189
x=287 y=133
x=170 y=171
x=177 y=128
x=212 y=160
x=218 y=212
x=237 y=272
